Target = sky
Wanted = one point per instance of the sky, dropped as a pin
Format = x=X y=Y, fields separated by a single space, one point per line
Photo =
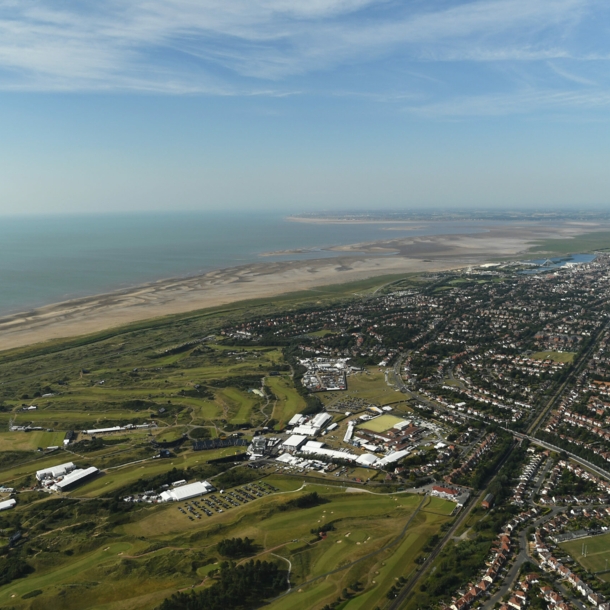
x=303 y=105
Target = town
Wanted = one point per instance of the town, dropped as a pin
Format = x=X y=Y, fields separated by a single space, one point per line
x=480 y=397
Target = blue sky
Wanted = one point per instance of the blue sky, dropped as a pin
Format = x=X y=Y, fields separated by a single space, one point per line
x=298 y=105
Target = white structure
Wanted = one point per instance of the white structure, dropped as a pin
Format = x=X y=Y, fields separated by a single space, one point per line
x=295 y=420
x=76 y=476
x=307 y=430
x=392 y=457
x=312 y=445
x=294 y=443
x=185 y=492
x=332 y=427
x=349 y=432
x=7 y=504
x=320 y=420
x=367 y=459
x=55 y=471
x=103 y=430
x=329 y=453
x=119 y=428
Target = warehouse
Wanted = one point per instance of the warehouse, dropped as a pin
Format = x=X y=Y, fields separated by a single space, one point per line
x=7 y=504
x=56 y=471
x=75 y=477
x=185 y=492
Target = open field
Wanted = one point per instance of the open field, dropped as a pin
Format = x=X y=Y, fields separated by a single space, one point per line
x=598 y=553
x=77 y=570
x=381 y=423
x=375 y=574
x=89 y=549
x=369 y=385
x=555 y=356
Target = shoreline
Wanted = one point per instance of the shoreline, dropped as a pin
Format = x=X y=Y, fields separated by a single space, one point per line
x=270 y=279
x=175 y=296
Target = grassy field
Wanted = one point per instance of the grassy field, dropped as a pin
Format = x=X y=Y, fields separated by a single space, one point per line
x=554 y=356
x=90 y=549
x=374 y=575
x=288 y=400
x=381 y=424
x=137 y=562
x=598 y=552
x=369 y=385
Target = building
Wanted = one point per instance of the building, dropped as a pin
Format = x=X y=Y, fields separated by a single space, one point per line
x=69 y=437
x=103 y=430
x=55 y=471
x=393 y=457
x=7 y=504
x=488 y=501
x=185 y=492
x=367 y=459
x=321 y=419
x=295 y=420
x=447 y=493
x=76 y=477
x=293 y=443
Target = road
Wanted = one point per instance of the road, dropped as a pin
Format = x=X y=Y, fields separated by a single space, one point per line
x=461 y=518
x=523 y=556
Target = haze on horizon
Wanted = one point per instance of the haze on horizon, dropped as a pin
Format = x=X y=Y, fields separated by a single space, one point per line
x=325 y=104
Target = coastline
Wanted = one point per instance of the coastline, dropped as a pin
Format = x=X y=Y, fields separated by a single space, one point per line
x=174 y=296
x=271 y=279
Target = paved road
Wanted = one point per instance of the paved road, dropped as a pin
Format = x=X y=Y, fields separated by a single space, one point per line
x=520 y=559
x=406 y=590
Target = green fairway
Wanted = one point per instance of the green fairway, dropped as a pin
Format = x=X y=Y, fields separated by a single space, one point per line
x=376 y=574
x=289 y=401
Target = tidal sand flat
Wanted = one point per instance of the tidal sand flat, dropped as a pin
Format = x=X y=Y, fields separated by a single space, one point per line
x=355 y=262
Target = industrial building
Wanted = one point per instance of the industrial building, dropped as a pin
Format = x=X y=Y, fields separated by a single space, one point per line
x=75 y=477
x=185 y=492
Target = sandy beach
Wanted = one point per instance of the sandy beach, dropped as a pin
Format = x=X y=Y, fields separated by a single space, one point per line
x=268 y=279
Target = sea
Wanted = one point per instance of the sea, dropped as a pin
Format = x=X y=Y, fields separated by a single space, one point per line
x=48 y=259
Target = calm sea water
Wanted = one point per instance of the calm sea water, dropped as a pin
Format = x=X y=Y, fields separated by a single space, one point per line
x=49 y=259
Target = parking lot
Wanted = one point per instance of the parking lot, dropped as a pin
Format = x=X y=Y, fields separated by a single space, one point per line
x=220 y=502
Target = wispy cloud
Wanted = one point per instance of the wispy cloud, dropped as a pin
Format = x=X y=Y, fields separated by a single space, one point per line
x=227 y=47
x=513 y=103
